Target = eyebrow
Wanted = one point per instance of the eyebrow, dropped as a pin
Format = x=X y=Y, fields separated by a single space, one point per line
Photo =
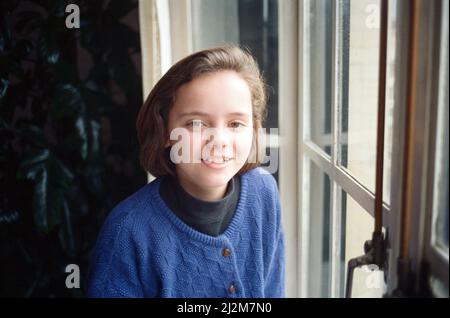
x=198 y=113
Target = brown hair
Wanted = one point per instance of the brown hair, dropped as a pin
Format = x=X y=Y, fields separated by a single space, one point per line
x=152 y=120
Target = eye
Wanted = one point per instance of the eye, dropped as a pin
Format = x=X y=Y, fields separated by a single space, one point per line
x=236 y=124
x=196 y=123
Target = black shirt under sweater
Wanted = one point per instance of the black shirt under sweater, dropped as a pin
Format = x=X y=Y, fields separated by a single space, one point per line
x=208 y=217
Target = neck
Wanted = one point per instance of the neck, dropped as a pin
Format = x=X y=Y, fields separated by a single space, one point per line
x=209 y=194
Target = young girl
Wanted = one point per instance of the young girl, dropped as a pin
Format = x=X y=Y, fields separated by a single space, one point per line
x=209 y=225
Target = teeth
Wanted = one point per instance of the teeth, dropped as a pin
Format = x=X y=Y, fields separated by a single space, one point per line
x=219 y=161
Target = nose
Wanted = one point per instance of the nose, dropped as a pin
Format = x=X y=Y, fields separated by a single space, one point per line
x=220 y=142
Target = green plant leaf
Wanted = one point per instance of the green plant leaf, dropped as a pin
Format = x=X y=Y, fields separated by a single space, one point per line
x=8 y=216
x=3 y=87
x=64 y=176
x=32 y=164
x=64 y=165
x=93 y=179
x=39 y=201
x=67 y=102
x=35 y=136
x=66 y=232
x=49 y=48
x=94 y=138
x=80 y=126
x=51 y=181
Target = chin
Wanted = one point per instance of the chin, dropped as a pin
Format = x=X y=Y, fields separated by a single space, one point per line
x=205 y=177
x=214 y=179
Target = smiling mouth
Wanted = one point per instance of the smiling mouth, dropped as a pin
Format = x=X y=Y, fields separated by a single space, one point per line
x=221 y=160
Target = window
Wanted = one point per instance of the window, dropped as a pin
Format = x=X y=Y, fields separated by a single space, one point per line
x=437 y=251
x=440 y=203
x=340 y=85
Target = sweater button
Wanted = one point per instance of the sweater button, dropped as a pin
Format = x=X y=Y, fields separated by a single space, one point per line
x=226 y=252
x=232 y=289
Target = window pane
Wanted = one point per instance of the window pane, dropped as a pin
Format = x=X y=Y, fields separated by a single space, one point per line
x=318 y=207
x=356 y=227
x=359 y=225
x=359 y=101
x=440 y=201
x=317 y=83
x=357 y=44
x=389 y=110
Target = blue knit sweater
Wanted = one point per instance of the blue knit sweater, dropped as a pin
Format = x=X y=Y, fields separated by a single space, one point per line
x=145 y=250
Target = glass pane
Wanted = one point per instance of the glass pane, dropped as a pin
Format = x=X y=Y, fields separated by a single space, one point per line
x=440 y=201
x=359 y=53
x=389 y=111
x=317 y=83
x=359 y=225
x=356 y=227
x=318 y=206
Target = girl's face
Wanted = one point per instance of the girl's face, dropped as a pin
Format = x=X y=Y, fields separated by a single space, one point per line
x=215 y=112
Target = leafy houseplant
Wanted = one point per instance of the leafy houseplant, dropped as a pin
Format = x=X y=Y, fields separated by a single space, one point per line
x=68 y=152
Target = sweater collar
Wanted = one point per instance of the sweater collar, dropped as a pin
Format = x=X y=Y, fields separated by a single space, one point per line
x=229 y=233
x=204 y=211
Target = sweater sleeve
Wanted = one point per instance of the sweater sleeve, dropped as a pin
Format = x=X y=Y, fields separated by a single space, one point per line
x=275 y=280
x=114 y=269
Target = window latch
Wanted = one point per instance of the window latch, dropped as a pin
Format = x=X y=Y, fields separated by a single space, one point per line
x=375 y=252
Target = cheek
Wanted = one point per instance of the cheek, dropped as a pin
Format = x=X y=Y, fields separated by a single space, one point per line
x=243 y=144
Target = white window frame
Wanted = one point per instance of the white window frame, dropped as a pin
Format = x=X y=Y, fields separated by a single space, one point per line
x=340 y=178
x=180 y=29
x=289 y=171
x=436 y=258
x=294 y=144
x=422 y=152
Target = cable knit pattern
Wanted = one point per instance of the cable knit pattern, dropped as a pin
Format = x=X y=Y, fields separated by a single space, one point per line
x=145 y=250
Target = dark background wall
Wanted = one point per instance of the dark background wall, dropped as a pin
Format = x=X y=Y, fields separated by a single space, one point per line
x=68 y=149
